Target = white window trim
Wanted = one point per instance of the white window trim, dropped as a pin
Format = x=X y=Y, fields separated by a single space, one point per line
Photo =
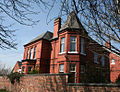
x=75 y=47
x=62 y=53
x=60 y=70
x=72 y=52
x=31 y=53
x=61 y=45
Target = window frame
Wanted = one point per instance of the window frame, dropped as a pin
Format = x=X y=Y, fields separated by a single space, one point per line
x=70 y=68
x=31 y=53
x=27 y=53
x=82 y=49
x=60 y=68
x=73 y=42
x=62 y=45
x=34 y=55
x=103 y=60
x=96 y=58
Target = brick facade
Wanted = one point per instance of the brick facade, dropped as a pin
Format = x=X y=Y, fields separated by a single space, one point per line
x=114 y=67
x=86 y=63
x=17 y=67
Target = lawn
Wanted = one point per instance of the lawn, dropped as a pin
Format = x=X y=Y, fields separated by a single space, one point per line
x=3 y=90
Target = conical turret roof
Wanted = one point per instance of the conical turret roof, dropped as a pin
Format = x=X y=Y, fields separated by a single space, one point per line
x=72 y=22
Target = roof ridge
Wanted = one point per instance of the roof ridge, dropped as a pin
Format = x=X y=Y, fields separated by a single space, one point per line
x=45 y=34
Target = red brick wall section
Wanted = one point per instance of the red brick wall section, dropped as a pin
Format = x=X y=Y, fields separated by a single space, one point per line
x=114 y=68
x=37 y=83
x=53 y=83
x=93 y=87
x=5 y=83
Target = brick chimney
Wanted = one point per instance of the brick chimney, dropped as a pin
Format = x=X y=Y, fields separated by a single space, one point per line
x=57 y=26
x=108 y=44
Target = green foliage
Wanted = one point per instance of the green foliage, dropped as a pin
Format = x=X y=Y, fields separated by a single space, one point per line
x=3 y=90
x=34 y=72
x=14 y=77
x=118 y=80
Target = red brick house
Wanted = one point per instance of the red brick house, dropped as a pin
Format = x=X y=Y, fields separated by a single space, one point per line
x=68 y=49
x=114 y=66
x=114 y=59
x=37 y=54
x=17 y=67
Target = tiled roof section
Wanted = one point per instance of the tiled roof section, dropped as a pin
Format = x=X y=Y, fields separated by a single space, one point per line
x=72 y=22
x=46 y=35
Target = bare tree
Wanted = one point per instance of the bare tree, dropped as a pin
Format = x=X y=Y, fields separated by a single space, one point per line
x=4 y=70
x=101 y=19
x=19 y=11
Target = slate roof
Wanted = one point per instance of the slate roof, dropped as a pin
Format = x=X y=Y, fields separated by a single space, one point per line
x=72 y=22
x=46 y=35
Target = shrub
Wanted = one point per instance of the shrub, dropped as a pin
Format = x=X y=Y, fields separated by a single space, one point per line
x=14 y=77
x=3 y=90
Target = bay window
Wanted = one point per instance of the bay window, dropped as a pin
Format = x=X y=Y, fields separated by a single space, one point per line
x=73 y=44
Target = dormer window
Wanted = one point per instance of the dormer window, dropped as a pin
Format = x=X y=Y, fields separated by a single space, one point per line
x=62 y=49
x=73 y=41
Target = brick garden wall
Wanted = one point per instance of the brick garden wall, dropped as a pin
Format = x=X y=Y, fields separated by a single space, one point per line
x=54 y=83
x=37 y=83
x=91 y=87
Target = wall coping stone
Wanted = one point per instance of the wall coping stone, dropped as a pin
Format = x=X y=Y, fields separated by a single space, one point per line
x=47 y=74
x=94 y=84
